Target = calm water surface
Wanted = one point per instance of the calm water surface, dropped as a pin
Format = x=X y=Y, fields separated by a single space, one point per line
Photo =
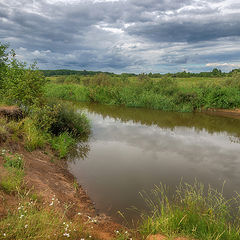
x=131 y=150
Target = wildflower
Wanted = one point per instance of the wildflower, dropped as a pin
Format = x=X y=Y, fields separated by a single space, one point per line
x=126 y=232
x=26 y=226
x=4 y=234
x=90 y=236
x=51 y=204
x=82 y=239
x=21 y=216
x=66 y=234
x=79 y=213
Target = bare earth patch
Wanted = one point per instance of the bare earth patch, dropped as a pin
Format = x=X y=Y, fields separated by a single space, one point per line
x=12 y=112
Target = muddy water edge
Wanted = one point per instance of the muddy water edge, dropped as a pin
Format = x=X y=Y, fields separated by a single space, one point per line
x=133 y=149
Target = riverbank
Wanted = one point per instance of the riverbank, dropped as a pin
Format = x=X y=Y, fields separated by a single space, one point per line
x=47 y=182
x=231 y=113
x=56 y=199
x=167 y=94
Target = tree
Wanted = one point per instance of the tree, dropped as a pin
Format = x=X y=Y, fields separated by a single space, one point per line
x=20 y=84
x=3 y=62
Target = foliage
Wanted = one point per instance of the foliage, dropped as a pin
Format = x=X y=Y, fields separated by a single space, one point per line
x=32 y=218
x=12 y=181
x=44 y=116
x=62 y=144
x=19 y=84
x=13 y=161
x=30 y=221
x=194 y=212
x=22 y=86
x=33 y=137
x=3 y=61
x=169 y=94
x=68 y=120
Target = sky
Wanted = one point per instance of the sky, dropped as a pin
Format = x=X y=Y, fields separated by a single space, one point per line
x=124 y=35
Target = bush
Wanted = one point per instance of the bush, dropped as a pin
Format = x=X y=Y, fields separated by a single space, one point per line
x=44 y=116
x=19 y=85
x=62 y=144
x=33 y=137
x=68 y=120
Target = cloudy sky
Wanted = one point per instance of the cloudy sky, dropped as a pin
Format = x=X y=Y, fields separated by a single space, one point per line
x=124 y=35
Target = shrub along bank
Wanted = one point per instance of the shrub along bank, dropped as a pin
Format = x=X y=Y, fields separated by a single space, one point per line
x=42 y=122
x=167 y=93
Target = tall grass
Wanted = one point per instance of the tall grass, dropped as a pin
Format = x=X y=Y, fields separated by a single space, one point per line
x=165 y=94
x=12 y=180
x=62 y=144
x=194 y=211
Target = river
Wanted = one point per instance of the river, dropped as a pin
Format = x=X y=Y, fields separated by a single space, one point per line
x=133 y=149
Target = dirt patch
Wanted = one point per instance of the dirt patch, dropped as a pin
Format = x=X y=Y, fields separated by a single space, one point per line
x=156 y=237
x=11 y=112
x=162 y=237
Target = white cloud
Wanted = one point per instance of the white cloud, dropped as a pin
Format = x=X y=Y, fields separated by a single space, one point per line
x=124 y=35
x=231 y=65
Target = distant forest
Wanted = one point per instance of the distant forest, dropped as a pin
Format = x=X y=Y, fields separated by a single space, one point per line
x=214 y=73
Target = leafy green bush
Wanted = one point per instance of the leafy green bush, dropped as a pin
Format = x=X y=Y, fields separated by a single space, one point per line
x=68 y=120
x=33 y=137
x=62 y=144
x=18 y=84
x=44 y=116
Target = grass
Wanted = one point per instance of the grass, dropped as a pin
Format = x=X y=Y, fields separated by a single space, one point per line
x=33 y=219
x=13 y=180
x=169 y=94
x=33 y=136
x=57 y=125
x=193 y=212
x=62 y=144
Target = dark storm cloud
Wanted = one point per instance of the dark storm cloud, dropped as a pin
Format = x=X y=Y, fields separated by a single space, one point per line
x=188 y=31
x=121 y=35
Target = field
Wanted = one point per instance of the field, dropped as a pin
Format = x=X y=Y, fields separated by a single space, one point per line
x=166 y=93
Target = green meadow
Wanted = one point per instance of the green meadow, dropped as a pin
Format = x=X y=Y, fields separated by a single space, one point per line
x=166 y=93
